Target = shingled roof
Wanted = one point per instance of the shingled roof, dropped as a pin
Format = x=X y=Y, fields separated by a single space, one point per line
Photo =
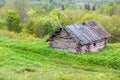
x=88 y=31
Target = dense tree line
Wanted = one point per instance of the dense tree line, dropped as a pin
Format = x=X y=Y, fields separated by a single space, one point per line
x=43 y=20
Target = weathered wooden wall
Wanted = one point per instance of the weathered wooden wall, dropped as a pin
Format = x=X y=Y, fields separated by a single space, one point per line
x=68 y=42
x=99 y=45
x=93 y=47
x=64 y=42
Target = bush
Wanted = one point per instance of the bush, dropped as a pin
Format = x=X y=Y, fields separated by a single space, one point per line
x=108 y=9
x=111 y=23
x=91 y=16
x=13 y=21
x=2 y=23
x=43 y=25
x=20 y=36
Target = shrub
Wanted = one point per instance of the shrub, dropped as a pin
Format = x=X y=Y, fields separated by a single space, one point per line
x=43 y=25
x=2 y=23
x=89 y=16
x=20 y=36
x=108 y=9
x=111 y=23
x=13 y=21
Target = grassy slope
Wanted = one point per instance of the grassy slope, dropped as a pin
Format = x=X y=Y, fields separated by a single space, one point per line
x=23 y=60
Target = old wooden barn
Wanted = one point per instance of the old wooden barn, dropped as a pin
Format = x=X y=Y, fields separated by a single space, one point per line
x=88 y=36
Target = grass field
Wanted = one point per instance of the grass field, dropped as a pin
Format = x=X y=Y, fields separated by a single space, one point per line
x=25 y=60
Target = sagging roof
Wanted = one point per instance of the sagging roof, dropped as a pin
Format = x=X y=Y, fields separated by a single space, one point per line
x=98 y=27
x=88 y=31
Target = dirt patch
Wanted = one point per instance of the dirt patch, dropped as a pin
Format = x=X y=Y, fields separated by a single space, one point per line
x=26 y=70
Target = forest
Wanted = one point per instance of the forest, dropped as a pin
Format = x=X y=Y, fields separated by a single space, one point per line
x=25 y=25
x=41 y=18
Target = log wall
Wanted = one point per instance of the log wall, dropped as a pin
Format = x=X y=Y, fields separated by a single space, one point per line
x=93 y=47
x=68 y=42
x=64 y=42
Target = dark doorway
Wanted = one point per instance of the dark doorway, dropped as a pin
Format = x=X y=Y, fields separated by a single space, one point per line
x=94 y=44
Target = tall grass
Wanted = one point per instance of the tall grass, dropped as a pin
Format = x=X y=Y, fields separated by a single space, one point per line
x=20 y=36
x=22 y=59
x=107 y=57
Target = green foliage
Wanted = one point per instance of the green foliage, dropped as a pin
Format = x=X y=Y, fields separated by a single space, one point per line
x=23 y=35
x=45 y=19
x=108 y=9
x=13 y=21
x=112 y=25
x=90 y=16
x=2 y=23
x=43 y=25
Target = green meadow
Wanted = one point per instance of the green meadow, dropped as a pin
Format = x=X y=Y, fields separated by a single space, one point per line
x=35 y=60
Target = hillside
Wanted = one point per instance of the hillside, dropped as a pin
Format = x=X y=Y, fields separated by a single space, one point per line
x=25 y=60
